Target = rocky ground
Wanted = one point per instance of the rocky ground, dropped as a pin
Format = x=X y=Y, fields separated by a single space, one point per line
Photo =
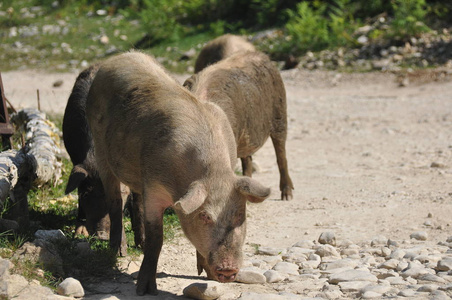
x=371 y=162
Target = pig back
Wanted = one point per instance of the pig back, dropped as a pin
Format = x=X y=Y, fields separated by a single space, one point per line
x=249 y=88
x=145 y=125
x=220 y=48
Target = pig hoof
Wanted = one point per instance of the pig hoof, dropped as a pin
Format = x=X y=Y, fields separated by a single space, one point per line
x=286 y=193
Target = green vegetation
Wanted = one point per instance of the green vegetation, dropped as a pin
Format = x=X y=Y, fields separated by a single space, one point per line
x=72 y=34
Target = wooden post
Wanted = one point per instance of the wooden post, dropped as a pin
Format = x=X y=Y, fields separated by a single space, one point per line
x=6 y=129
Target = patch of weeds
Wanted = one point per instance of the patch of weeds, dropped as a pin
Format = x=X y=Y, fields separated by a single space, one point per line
x=171 y=224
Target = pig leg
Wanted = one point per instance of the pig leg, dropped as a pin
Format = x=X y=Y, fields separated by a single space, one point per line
x=154 y=207
x=138 y=220
x=113 y=196
x=247 y=166
x=202 y=265
x=285 y=183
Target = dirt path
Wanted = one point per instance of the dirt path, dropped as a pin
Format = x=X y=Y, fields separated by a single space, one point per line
x=367 y=158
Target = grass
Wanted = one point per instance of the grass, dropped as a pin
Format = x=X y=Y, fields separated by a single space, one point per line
x=50 y=208
x=67 y=39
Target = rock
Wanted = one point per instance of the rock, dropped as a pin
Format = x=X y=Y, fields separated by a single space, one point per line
x=341 y=263
x=415 y=271
x=407 y=293
x=390 y=264
x=326 y=250
x=272 y=260
x=5 y=265
x=104 y=40
x=439 y=295
x=352 y=275
x=371 y=295
x=271 y=251
x=380 y=289
x=58 y=83
x=427 y=288
x=396 y=281
x=420 y=235
x=397 y=254
x=444 y=264
x=250 y=276
x=287 y=268
x=379 y=241
x=42 y=252
x=432 y=278
x=49 y=235
x=352 y=286
x=327 y=238
x=273 y=276
x=71 y=287
x=206 y=291
x=256 y=296
x=306 y=244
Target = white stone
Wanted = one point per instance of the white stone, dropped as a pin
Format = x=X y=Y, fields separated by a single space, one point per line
x=352 y=275
x=273 y=276
x=207 y=290
x=326 y=250
x=407 y=293
x=419 y=235
x=371 y=295
x=340 y=263
x=352 y=286
x=71 y=287
x=271 y=251
x=444 y=264
x=327 y=238
x=397 y=254
x=390 y=264
x=305 y=244
x=285 y=267
x=250 y=276
x=427 y=288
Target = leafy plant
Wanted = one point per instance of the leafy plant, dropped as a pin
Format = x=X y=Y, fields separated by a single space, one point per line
x=409 y=16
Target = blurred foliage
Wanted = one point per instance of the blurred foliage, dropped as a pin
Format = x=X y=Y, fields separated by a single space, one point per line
x=153 y=25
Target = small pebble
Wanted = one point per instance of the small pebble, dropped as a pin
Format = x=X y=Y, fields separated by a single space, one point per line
x=420 y=236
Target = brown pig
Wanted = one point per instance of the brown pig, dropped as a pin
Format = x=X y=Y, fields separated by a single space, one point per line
x=153 y=135
x=220 y=48
x=249 y=89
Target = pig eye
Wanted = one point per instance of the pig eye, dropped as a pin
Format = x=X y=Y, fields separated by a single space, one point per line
x=205 y=217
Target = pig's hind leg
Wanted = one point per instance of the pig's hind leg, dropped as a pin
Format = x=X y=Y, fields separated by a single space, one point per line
x=112 y=188
x=247 y=166
x=278 y=137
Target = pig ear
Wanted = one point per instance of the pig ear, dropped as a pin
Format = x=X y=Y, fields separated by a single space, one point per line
x=78 y=174
x=253 y=190
x=193 y=199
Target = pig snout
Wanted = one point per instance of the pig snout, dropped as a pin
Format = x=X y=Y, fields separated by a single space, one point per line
x=226 y=274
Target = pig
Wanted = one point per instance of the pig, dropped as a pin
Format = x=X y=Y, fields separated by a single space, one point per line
x=175 y=151
x=84 y=175
x=249 y=89
x=220 y=48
